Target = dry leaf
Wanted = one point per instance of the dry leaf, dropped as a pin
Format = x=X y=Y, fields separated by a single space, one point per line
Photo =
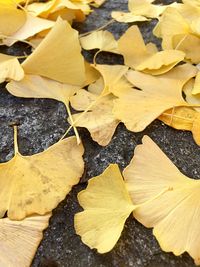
x=11 y=19
x=196 y=89
x=140 y=10
x=31 y=27
x=58 y=56
x=34 y=86
x=19 y=240
x=190 y=98
x=107 y=205
x=138 y=108
x=139 y=57
x=36 y=184
x=102 y=40
x=99 y=120
x=174 y=213
x=113 y=77
x=10 y=68
x=183 y=118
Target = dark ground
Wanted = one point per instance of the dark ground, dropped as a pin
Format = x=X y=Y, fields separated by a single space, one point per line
x=42 y=123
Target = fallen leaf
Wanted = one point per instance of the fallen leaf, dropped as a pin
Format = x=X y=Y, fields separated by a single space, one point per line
x=31 y=27
x=183 y=118
x=11 y=19
x=190 y=98
x=174 y=213
x=19 y=240
x=99 y=120
x=107 y=205
x=140 y=10
x=58 y=56
x=102 y=40
x=34 y=86
x=36 y=184
x=139 y=57
x=138 y=108
x=10 y=68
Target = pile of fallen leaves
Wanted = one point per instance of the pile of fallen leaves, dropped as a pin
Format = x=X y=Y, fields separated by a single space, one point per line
x=151 y=85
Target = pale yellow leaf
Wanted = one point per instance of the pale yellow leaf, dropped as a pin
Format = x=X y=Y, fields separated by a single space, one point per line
x=10 y=68
x=175 y=214
x=36 y=184
x=107 y=205
x=138 y=108
x=58 y=56
x=31 y=27
x=19 y=240
x=102 y=40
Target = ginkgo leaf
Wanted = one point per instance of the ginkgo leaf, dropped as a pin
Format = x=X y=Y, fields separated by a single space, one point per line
x=99 y=120
x=179 y=196
x=34 y=86
x=140 y=10
x=102 y=40
x=36 y=184
x=58 y=56
x=113 y=77
x=19 y=240
x=183 y=118
x=11 y=19
x=196 y=89
x=107 y=205
x=138 y=108
x=191 y=98
x=189 y=44
x=139 y=57
x=10 y=68
x=31 y=27
x=92 y=75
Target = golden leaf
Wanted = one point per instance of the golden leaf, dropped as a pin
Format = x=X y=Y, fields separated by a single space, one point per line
x=107 y=205
x=99 y=120
x=32 y=26
x=19 y=240
x=183 y=118
x=138 y=108
x=11 y=19
x=140 y=10
x=166 y=213
x=139 y=57
x=36 y=184
x=102 y=40
x=10 y=68
x=58 y=56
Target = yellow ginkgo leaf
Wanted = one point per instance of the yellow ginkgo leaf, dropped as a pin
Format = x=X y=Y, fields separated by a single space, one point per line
x=196 y=89
x=10 y=68
x=189 y=44
x=99 y=120
x=36 y=184
x=107 y=205
x=166 y=213
x=58 y=56
x=34 y=86
x=139 y=57
x=140 y=10
x=19 y=240
x=11 y=19
x=113 y=77
x=42 y=9
x=138 y=108
x=102 y=40
x=183 y=118
x=191 y=98
x=31 y=27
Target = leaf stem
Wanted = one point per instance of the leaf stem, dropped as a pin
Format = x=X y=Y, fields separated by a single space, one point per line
x=16 y=148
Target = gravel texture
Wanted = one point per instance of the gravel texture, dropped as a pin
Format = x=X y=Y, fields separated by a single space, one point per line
x=42 y=123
